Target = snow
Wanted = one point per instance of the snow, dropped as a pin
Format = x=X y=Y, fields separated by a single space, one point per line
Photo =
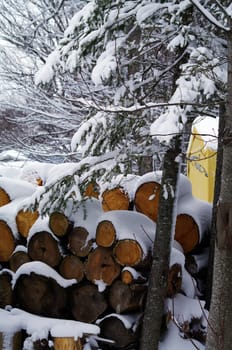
x=42 y=269
x=39 y=327
x=207 y=127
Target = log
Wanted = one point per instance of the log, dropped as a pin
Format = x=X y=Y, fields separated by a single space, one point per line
x=128 y=252
x=92 y=190
x=101 y=266
x=186 y=232
x=79 y=242
x=17 y=259
x=67 y=343
x=6 y=293
x=4 y=197
x=116 y=328
x=147 y=199
x=59 y=224
x=193 y=223
x=72 y=267
x=127 y=298
x=7 y=242
x=174 y=280
x=24 y=220
x=87 y=303
x=105 y=234
x=11 y=341
x=130 y=275
x=40 y=295
x=115 y=199
x=43 y=247
x=194 y=263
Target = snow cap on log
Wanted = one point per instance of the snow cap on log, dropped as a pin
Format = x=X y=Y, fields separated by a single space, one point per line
x=16 y=188
x=132 y=225
x=42 y=269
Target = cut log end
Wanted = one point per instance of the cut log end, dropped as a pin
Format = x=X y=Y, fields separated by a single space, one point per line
x=115 y=199
x=72 y=267
x=68 y=343
x=79 y=242
x=147 y=199
x=105 y=234
x=186 y=232
x=128 y=252
x=59 y=224
x=43 y=247
x=24 y=220
x=102 y=266
x=17 y=259
x=92 y=190
x=7 y=242
x=4 y=197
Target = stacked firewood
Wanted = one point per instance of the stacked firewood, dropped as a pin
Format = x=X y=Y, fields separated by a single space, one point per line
x=92 y=264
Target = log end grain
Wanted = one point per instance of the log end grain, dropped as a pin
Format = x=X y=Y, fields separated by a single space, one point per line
x=72 y=267
x=101 y=266
x=43 y=247
x=59 y=224
x=4 y=197
x=147 y=199
x=186 y=232
x=79 y=242
x=128 y=252
x=115 y=199
x=105 y=234
x=17 y=259
x=68 y=343
x=24 y=220
x=7 y=242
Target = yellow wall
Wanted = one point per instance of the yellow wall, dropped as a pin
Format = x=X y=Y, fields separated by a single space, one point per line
x=201 y=167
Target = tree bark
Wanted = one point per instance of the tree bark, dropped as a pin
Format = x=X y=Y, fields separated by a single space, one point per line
x=220 y=316
x=158 y=281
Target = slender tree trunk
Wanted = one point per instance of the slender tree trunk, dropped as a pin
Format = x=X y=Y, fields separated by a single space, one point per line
x=217 y=187
x=157 y=289
x=220 y=317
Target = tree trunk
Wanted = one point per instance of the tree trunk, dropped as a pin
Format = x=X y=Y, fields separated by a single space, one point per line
x=220 y=316
x=158 y=281
x=217 y=187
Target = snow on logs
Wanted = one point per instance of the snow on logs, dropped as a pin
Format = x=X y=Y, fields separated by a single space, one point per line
x=86 y=263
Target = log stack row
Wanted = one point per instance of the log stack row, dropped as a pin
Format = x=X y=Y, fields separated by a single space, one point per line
x=92 y=264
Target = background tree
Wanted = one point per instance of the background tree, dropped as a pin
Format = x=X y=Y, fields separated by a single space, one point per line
x=29 y=31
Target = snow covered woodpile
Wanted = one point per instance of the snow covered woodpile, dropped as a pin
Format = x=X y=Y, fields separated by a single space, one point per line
x=91 y=265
